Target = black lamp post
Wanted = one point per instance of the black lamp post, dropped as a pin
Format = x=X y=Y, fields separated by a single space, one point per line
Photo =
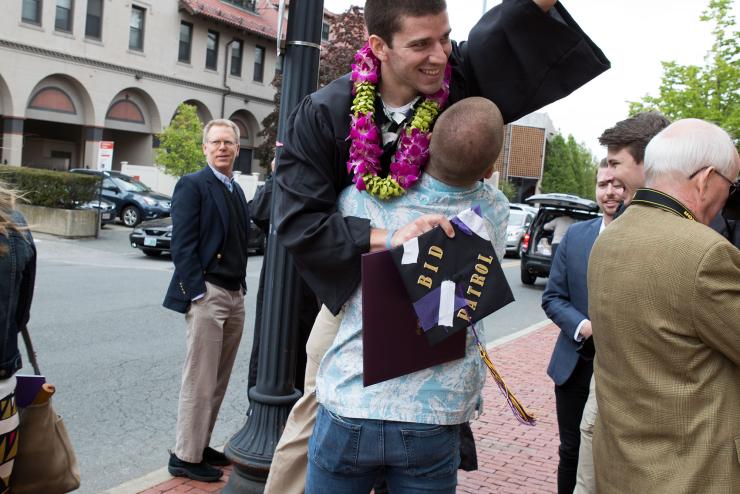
x=251 y=448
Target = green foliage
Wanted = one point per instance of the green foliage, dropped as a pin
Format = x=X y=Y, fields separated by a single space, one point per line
x=180 y=151
x=50 y=188
x=710 y=91
x=266 y=150
x=570 y=168
x=508 y=189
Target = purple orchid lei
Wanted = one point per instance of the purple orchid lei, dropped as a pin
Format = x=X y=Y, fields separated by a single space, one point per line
x=412 y=152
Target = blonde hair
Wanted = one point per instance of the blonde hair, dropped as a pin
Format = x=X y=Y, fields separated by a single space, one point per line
x=221 y=122
x=8 y=199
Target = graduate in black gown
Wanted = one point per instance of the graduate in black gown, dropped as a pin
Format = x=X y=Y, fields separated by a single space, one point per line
x=522 y=55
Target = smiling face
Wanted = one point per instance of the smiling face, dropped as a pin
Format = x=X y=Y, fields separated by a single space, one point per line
x=623 y=168
x=415 y=60
x=609 y=193
x=221 y=148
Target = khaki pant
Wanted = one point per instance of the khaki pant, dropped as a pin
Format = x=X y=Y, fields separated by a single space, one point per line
x=585 y=481
x=290 y=462
x=215 y=325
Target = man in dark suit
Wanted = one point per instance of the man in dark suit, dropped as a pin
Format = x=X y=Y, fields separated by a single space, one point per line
x=210 y=223
x=565 y=301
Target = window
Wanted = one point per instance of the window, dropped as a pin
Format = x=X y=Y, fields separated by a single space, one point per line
x=186 y=41
x=63 y=19
x=94 y=19
x=31 y=11
x=245 y=4
x=236 y=58
x=325 y=31
x=136 y=28
x=259 y=63
x=212 y=50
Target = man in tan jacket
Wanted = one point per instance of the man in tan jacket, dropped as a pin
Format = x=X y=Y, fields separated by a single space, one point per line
x=666 y=325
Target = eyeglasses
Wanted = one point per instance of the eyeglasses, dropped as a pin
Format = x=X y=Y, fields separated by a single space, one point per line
x=733 y=185
x=218 y=144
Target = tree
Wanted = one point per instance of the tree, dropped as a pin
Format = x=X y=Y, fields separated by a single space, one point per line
x=266 y=150
x=508 y=189
x=570 y=168
x=711 y=91
x=180 y=150
x=347 y=36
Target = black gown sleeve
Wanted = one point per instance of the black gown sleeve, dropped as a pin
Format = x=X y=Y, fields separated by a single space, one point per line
x=522 y=58
x=326 y=247
x=259 y=206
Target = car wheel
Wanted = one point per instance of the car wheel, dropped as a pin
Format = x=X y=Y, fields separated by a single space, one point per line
x=527 y=277
x=151 y=252
x=131 y=216
x=518 y=251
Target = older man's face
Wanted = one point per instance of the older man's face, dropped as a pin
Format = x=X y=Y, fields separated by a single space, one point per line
x=718 y=189
x=623 y=168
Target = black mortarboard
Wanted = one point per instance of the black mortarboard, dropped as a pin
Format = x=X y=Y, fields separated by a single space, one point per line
x=452 y=282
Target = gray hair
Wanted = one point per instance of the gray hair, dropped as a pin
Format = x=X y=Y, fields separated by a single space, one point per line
x=687 y=145
x=220 y=122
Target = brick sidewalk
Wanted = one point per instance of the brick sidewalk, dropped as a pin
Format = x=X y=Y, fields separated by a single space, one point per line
x=512 y=458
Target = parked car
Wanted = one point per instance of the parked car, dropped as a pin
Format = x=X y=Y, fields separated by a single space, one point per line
x=155 y=236
x=520 y=216
x=107 y=209
x=135 y=201
x=535 y=252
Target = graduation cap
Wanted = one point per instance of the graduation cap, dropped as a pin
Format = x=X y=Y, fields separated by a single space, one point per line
x=452 y=282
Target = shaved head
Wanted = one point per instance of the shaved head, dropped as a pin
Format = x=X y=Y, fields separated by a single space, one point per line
x=466 y=141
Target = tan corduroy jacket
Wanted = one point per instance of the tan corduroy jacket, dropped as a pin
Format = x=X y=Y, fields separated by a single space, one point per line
x=664 y=300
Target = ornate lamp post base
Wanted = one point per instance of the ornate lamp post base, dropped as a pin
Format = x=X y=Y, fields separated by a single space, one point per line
x=251 y=449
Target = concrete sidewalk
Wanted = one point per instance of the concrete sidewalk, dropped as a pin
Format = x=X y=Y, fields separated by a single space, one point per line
x=513 y=458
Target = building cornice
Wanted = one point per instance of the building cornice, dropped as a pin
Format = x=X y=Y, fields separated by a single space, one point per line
x=136 y=73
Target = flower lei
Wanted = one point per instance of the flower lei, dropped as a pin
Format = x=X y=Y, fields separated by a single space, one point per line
x=412 y=152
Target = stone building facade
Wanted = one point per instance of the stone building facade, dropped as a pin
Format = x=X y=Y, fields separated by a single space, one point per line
x=77 y=72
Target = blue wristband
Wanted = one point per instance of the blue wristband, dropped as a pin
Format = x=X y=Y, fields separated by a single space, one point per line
x=389 y=238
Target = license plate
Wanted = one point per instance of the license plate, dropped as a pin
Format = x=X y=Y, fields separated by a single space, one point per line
x=150 y=241
x=106 y=216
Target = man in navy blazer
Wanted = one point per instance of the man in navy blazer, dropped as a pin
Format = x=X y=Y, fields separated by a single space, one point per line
x=565 y=301
x=210 y=224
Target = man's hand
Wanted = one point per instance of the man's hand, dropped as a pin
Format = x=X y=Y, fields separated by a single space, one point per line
x=586 y=330
x=420 y=225
x=545 y=5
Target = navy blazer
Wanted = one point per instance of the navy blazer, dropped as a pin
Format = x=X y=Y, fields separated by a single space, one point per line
x=565 y=299
x=200 y=222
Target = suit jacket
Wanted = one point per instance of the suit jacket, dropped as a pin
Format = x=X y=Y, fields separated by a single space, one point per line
x=565 y=299
x=200 y=222
x=664 y=300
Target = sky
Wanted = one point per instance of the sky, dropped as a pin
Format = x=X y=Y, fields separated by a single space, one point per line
x=635 y=35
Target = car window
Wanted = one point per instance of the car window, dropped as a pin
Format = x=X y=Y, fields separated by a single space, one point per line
x=129 y=184
x=516 y=217
x=108 y=183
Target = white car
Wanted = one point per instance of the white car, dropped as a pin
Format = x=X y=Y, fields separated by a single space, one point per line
x=520 y=216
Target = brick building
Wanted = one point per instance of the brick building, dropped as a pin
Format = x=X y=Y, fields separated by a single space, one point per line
x=522 y=158
x=77 y=72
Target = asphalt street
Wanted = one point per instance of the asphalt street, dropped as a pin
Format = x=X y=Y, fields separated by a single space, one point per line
x=115 y=354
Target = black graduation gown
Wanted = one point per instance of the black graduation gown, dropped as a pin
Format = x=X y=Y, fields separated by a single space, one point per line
x=518 y=56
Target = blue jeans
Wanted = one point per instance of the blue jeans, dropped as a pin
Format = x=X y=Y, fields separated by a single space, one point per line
x=345 y=456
